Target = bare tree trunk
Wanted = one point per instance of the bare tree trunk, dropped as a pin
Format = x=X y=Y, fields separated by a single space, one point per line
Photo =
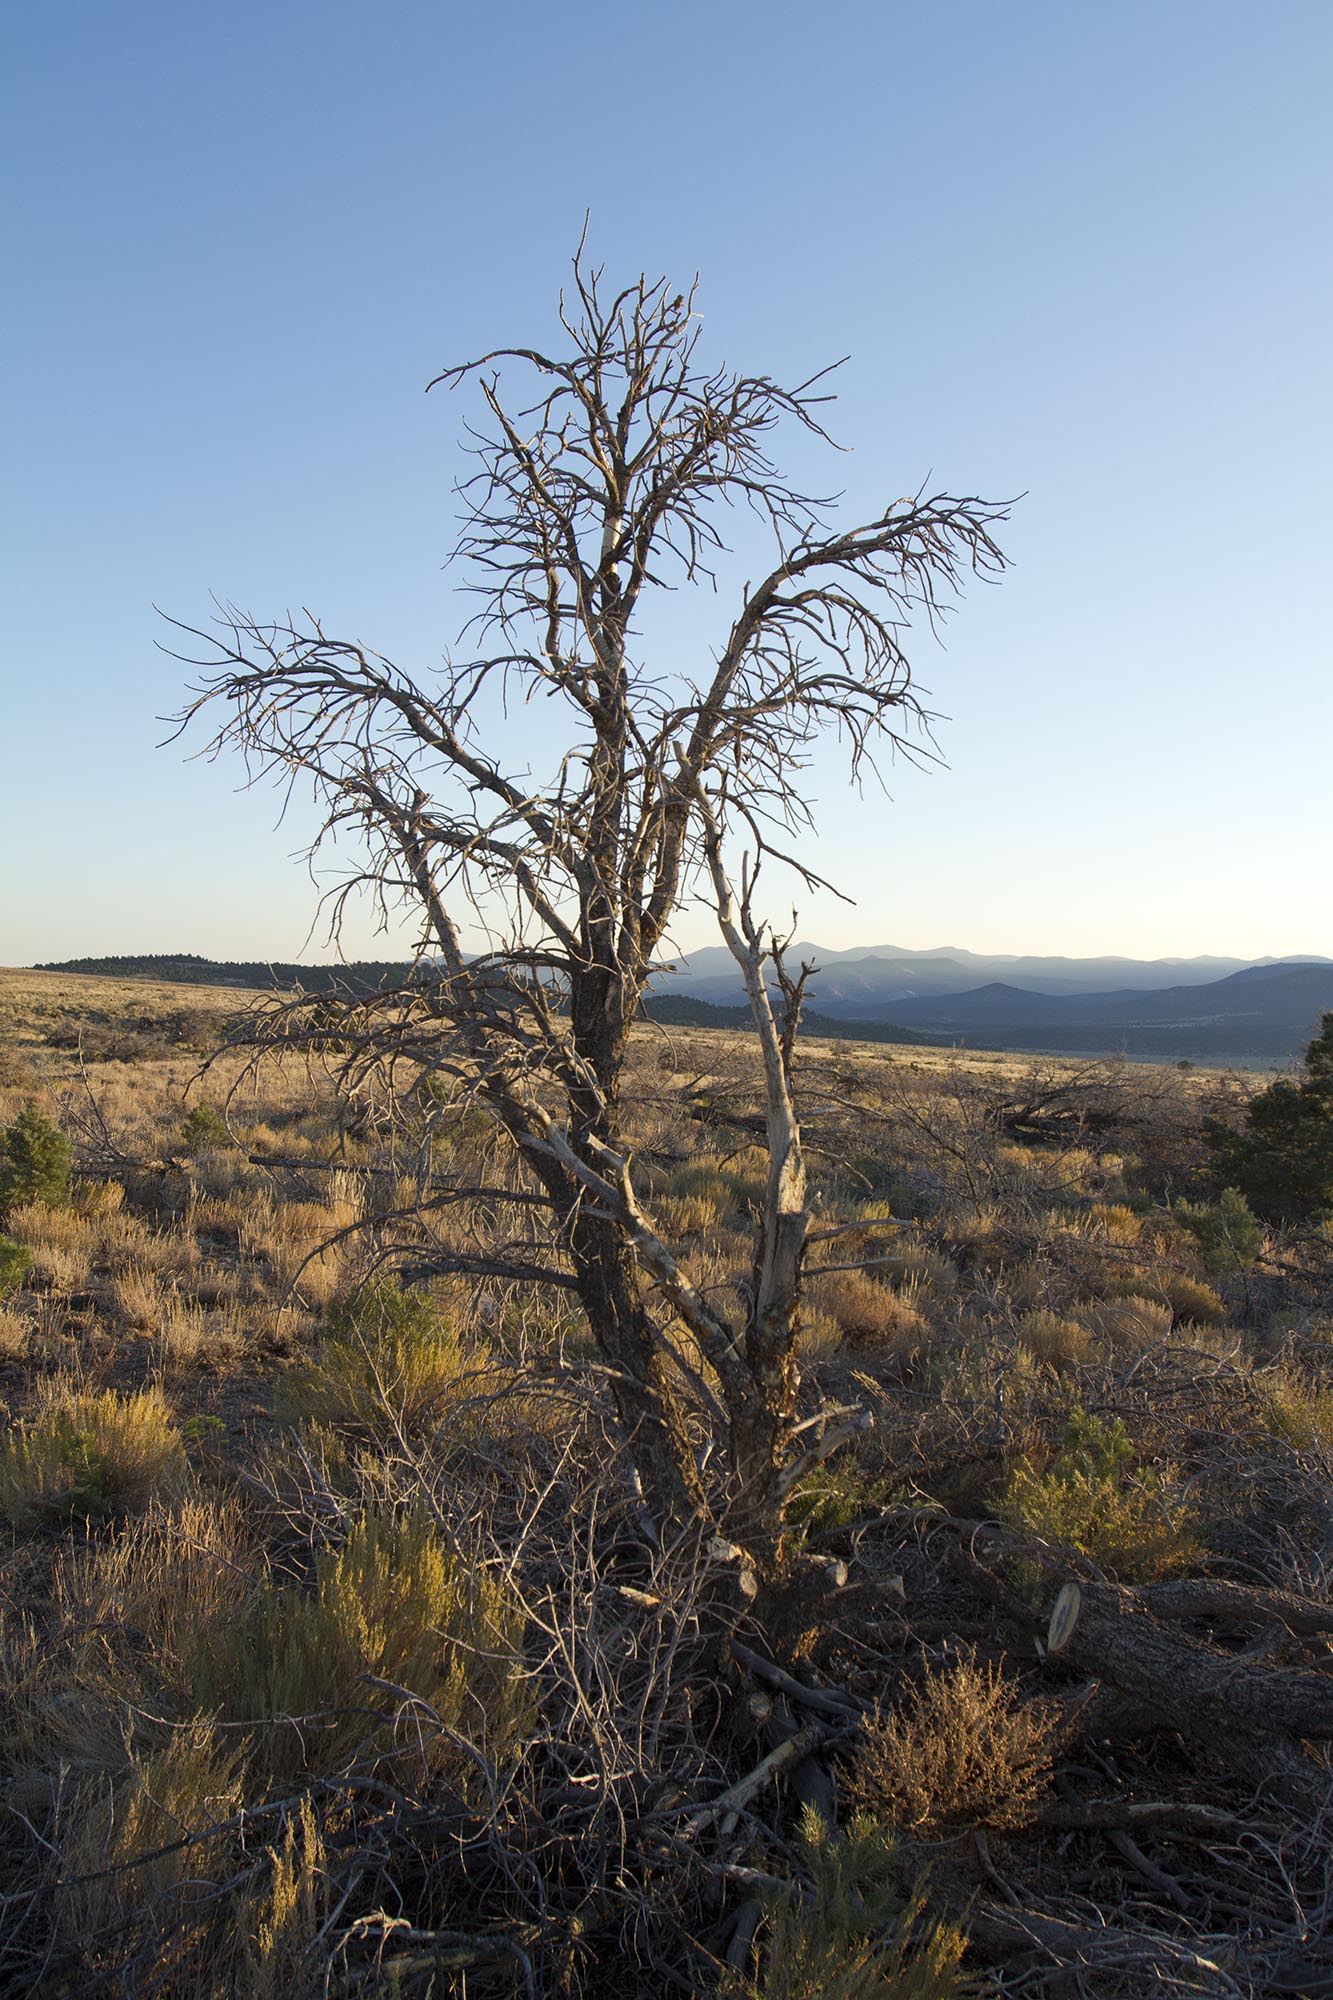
x=648 y=1400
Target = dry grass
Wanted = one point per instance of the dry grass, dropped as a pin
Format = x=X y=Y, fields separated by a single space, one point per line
x=296 y=1670
x=333 y=1549
x=139 y=1297
x=15 y=1333
x=868 y=1311
x=168 y=1802
x=85 y=1455
x=1298 y=1409
x=1186 y=1298
x=1059 y=1343
x=1126 y=1325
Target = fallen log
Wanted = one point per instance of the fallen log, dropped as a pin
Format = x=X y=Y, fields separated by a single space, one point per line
x=1259 y=1717
x=1203 y=1693
x=1210 y=1597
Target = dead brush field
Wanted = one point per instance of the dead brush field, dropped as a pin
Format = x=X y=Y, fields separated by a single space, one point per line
x=334 y=1658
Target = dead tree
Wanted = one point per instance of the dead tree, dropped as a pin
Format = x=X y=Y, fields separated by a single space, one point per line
x=670 y=781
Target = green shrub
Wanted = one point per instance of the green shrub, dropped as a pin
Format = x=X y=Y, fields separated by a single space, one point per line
x=395 y=1604
x=34 y=1162
x=1226 y=1231
x=390 y=1359
x=1094 y=1496
x=86 y=1456
x=856 y=1937
x=1282 y=1161
x=14 y=1264
x=837 y=1493
x=204 y=1129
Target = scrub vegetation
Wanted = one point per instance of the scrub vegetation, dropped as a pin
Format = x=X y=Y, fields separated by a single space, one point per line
x=339 y=1654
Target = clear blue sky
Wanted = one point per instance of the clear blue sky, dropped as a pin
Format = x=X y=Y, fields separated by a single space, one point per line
x=1079 y=252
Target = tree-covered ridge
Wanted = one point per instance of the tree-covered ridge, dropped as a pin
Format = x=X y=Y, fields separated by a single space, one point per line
x=186 y=968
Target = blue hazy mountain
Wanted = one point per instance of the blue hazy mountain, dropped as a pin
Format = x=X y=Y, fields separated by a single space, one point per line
x=1167 y=1009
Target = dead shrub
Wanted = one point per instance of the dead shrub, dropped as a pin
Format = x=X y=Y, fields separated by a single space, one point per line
x=965 y=1751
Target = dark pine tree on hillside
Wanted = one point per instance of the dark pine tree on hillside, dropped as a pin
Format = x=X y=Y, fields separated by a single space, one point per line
x=1282 y=1160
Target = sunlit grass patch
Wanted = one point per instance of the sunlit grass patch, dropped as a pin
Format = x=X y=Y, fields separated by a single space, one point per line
x=85 y=1455
x=1115 y=1223
x=1060 y=1343
x=99 y=1200
x=1297 y=1409
x=1188 y=1298
x=1128 y=1325
x=15 y=1326
x=819 y=1336
x=390 y=1359
x=867 y=1310
x=399 y=1643
x=139 y=1297
x=59 y=1241
x=908 y=1261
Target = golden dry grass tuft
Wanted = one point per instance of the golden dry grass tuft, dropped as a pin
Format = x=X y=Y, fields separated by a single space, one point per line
x=868 y=1311
x=1126 y=1326
x=1186 y=1297
x=86 y=1455
x=1297 y=1409
x=168 y=1803
x=1060 y=1343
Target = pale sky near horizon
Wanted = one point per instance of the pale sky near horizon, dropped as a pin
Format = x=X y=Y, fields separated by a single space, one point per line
x=1081 y=254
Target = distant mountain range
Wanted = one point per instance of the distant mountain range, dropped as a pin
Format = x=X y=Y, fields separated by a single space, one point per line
x=1209 y=1009
x=1166 y=1009
x=870 y=978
